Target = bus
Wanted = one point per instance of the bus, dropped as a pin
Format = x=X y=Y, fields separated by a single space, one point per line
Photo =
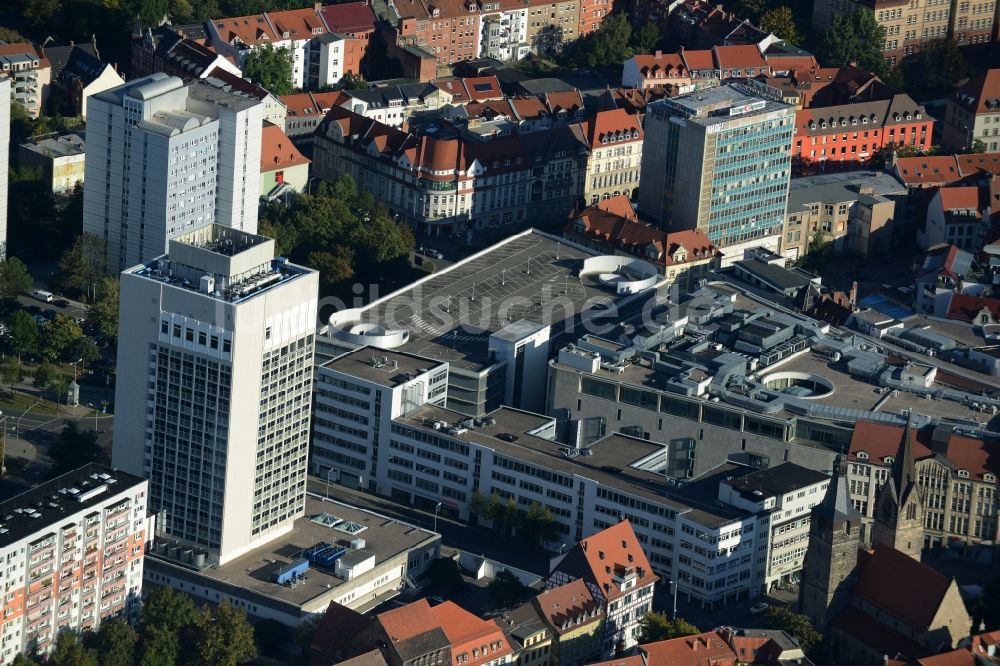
x=42 y=295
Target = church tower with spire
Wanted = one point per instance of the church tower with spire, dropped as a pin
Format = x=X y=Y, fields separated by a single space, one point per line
x=899 y=507
x=831 y=554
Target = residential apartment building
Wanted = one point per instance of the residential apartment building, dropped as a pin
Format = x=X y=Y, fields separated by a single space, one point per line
x=942 y=271
x=30 y=74
x=961 y=215
x=78 y=74
x=845 y=136
x=320 y=55
x=71 y=553
x=615 y=141
x=448 y=181
x=5 y=97
x=616 y=572
x=854 y=211
x=165 y=157
x=456 y=30
x=956 y=474
x=60 y=158
x=284 y=170
x=215 y=384
x=169 y=51
x=973 y=114
x=611 y=226
x=690 y=70
x=741 y=137
x=909 y=26
x=575 y=619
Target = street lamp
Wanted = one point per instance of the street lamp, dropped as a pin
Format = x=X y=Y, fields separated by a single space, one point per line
x=673 y=584
x=437 y=507
x=328 y=472
x=17 y=424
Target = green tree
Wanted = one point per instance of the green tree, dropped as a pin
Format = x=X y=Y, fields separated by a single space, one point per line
x=538 y=524
x=163 y=607
x=271 y=68
x=986 y=609
x=506 y=590
x=796 y=624
x=84 y=264
x=749 y=9
x=12 y=36
x=159 y=647
x=609 y=43
x=82 y=351
x=222 y=636
x=75 y=446
x=781 y=22
x=115 y=644
x=14 y=278
x=12 y=372
x=884 y=156
x=942 y=65
x=57 y=335
x=857 y=38
x=658 y=627
x=647 y=39
x=104 y=310
x=20 y=659
x=334 y=267
x=444 y=576
x=977 y=147
x=70 y=652
x=23 y=334
x=44 y=376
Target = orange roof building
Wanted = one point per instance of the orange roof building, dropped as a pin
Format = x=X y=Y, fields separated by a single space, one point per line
x=617 y=572
x=282 y=166
x=939 y=453
x=972 y=112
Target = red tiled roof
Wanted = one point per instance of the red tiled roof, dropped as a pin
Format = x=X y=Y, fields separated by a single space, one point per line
x=568 y=605
x=885 y=579
x=297 y=23
x=620 y=205
x=984 y=91
x=250 y=30
x=528 y=107
x=634 y=660
x=671 y=64
x=738 y=57
x=698 y=60
x=982 y=643
x=965 y=307
x=465 y=632
x=338 y=626
x=959 y=657
x=610 y=553
x=697 y=650
x=277 y=151
x=616 y=125
x=944 y=169
x=966 y=197
x=407 y=621
x=569 y=100
x=481 y=88
x=878 y=637
x=24 y=48
x=349 y=17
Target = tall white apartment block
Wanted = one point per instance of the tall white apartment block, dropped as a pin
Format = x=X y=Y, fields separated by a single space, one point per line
x=165 y=157
x=215 y=360
x=71 y=557
x=4 y=159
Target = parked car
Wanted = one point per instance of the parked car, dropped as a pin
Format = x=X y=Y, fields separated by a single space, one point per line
x=759 y=607
x=430 y=252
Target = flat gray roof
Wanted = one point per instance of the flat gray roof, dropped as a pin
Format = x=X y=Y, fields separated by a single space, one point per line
x=712 y=106
x=384 y=537
x=59 y=146
x=841 y=187
x=451 y=314
x=381 y=366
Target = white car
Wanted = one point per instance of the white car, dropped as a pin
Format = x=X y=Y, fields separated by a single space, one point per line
x=759 y=607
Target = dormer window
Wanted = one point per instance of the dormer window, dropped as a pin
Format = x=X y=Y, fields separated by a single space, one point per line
x=862 y=455
x=989 y=477
x=963 y=473
x=888 y=460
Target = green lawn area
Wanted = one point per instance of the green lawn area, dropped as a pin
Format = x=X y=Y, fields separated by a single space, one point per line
x=18 y=402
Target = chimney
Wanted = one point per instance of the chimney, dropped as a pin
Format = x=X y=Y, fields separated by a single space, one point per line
x=940 y=438
x=854 y=294
x=658 y=54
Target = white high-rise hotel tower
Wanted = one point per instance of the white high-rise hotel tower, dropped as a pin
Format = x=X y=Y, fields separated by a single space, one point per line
x=165 y=157
x=215 y=368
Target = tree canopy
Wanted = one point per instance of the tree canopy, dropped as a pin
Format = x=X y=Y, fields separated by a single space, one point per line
x=855 y=37
x=23 y=334
x=796 y=624
x=506 y=590
x=341 y=232
x=75 y=446
x=104 y=310
x=14 y=278
x=271 y=68
x=781 y=22
x=658 y=627
x=84 y=264
x=222 y=636
x=611 y=42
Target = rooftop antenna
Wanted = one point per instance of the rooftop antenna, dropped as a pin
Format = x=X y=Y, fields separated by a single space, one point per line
x=557 y=250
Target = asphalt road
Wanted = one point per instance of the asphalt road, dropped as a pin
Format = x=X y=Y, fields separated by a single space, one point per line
x=73 y=309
